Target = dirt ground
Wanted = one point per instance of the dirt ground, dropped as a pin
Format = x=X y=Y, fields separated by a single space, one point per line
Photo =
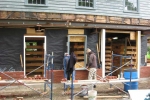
x=102 y=90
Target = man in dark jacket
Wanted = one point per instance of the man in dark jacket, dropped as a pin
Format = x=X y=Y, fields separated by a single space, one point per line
x=70 y=66
x=92 y=64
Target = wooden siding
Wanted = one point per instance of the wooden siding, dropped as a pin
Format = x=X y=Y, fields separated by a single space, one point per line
x=103 y=7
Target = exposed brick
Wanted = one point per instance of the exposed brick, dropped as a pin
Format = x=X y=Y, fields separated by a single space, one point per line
x=145 y=72
x=16 y=75
x=80 y=74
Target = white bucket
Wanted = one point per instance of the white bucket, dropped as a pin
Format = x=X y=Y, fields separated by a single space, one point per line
x=92 y=95
x=84 y=89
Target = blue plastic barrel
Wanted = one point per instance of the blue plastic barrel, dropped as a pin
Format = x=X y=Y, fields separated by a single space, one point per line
x=130 y=85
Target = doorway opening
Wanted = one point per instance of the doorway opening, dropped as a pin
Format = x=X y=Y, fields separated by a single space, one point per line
x=77 y=44
x=119 y=44
x=34 y=55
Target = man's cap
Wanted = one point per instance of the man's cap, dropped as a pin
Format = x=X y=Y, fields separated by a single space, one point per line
x=66 y=54
x=88 y=50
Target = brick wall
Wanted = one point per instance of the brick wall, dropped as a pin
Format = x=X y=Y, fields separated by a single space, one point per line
x=80 y=74
x=16 y=75
x=145 y=72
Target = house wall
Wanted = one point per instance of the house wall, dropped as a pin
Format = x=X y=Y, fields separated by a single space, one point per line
x=144 y=48
x=56 y=43
x=11 y=47
x=11 y=41
x=103 y=7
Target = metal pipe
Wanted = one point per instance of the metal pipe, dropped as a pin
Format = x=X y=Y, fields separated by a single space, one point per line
x=7 y=85
x=52 y=78
x=110 y=74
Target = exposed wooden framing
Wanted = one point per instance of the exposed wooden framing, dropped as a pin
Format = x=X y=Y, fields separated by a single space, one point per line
x=17 y=23
x=35 y=65
x=73 y=17
x=118 y=31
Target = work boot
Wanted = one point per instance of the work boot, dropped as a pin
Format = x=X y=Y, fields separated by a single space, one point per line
x=94 y=86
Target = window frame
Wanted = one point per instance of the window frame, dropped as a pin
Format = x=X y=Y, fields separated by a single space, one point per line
x=27 y=4
x=82 y=7
x=130 y=11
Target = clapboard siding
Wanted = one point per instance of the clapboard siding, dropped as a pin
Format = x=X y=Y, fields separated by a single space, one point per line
x=103 y=7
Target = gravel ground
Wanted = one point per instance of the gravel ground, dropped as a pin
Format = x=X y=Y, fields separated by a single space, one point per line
x=102 y=90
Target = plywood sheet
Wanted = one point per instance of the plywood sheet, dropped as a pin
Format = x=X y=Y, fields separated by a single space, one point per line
x=30 y=30
x=79 y=64
x=75 y=31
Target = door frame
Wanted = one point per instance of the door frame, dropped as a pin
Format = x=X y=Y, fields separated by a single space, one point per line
x=85 y=47
x=138 y=47
x=24 y=47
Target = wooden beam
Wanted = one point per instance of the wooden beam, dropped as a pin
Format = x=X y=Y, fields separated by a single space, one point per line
x=109 y=96
x=118 y=31
x=19 y=15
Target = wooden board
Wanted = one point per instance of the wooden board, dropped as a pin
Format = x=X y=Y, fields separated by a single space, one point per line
x=33 y=59
x=30 y=30
x=77 y=39
x=34 y=64
x=132 y=36
x=79 y=64
x=80 y=57
x=79 y=46
x=78 y=52
x=38 y=70
x=75 y=31
x=35 y=52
